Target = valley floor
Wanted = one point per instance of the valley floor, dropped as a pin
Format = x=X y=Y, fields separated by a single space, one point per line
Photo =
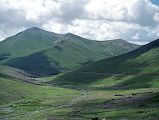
x=115 y=97
x=77 y=103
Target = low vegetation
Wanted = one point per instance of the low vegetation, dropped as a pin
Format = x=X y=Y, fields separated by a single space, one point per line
x=43 y=53
x=124 y=87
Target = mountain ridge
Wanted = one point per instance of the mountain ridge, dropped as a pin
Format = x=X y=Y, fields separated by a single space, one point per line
x=27 y=42
x=57 y=52
x=130 y=69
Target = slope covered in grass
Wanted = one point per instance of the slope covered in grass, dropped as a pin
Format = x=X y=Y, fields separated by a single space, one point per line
x=69 y=52
x=136 y=69
x=25 y=101
x=19 y=97
x=80 y=100
x=27 y=42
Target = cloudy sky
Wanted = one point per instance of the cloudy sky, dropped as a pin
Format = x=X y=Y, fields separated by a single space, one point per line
x=133 y=20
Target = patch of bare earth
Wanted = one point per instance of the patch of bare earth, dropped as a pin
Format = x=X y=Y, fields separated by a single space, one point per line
x=133 y=100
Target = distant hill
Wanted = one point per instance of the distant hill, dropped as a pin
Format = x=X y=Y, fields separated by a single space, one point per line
x=142 y=60
x=136 y=69
x=40 y=52
x=27 y=42
x=62 y=52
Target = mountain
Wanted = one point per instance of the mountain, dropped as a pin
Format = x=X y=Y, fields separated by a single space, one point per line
x=136 y=69
x=26 y=42
x=92 y=91
x=140 y=61
x=68 y=52
x=20 y=99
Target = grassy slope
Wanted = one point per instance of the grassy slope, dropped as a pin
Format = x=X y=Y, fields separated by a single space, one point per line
x=139 y=90
x=130 y=69
x=13 y=83
x=27 y=42
x=140 y=95
x=22 y=98
x=77 y=51
x=70 y=52
x=24 y=101
x=13 y=72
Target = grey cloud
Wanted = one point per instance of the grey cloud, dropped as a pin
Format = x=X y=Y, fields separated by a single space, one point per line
x=145 y=13
x=13 y=20
x=72 y=10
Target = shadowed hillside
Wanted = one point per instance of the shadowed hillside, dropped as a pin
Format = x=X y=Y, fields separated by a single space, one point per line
x=64 y=53
x=136 y=69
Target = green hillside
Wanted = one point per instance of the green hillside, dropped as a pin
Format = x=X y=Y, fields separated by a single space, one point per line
x=13 y=72
x=22 y=100
x=125 y=87
x=26 y=42
x=87 y=92
x=69 y=52
x=136 y=69
x=16 y=89
x=20 y=97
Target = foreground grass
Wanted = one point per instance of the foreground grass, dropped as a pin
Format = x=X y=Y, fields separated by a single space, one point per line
x=105 y=98
x=92 y=105
x=20 y=98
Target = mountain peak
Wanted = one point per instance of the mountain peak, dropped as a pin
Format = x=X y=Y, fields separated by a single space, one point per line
x=120 y=40
x=35 y=29
x=70 y=35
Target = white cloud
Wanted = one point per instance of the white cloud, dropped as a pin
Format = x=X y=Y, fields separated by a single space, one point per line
x=156 y=17
x=104 y=9
x=55 y=26
x=136 y=36
x=132 y=20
